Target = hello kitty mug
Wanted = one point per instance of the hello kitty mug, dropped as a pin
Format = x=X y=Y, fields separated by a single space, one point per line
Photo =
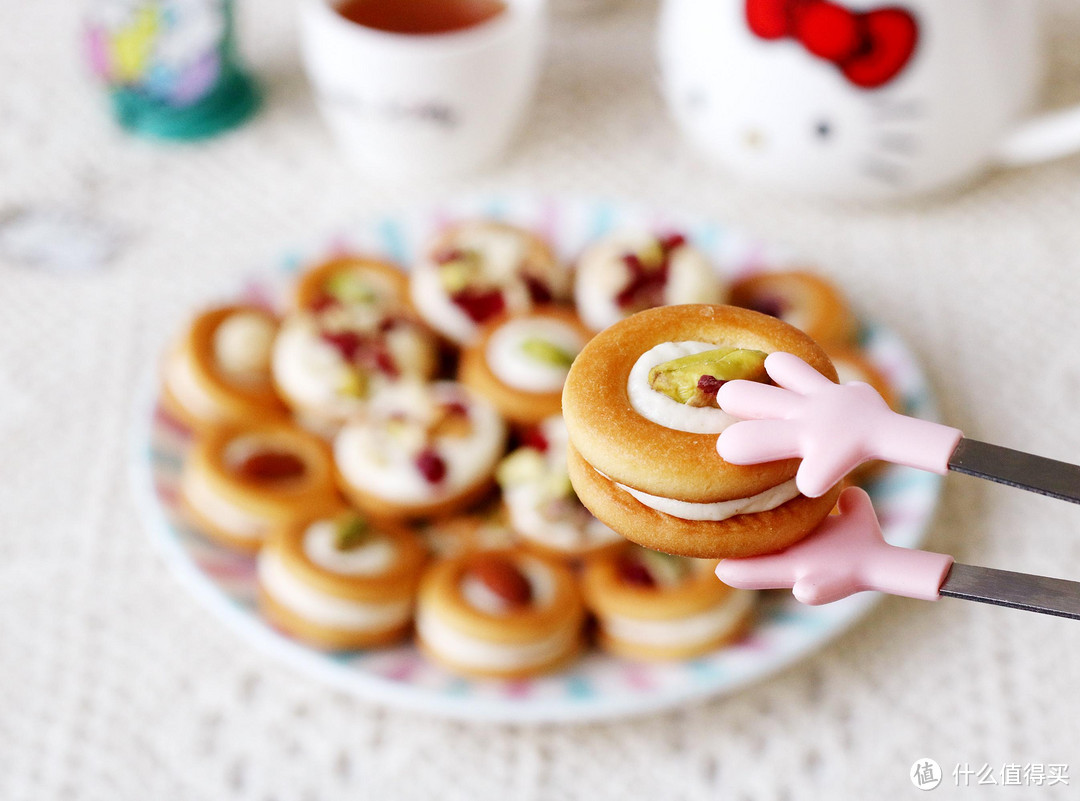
x=860 y=99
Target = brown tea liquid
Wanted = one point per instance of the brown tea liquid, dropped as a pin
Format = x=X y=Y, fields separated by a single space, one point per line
x=420 y=16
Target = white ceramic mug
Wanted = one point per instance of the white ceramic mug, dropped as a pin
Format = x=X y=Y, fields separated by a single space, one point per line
x=423 y=106
x=861 y=98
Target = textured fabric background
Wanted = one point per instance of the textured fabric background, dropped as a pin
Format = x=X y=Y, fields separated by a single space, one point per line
x=116 y=686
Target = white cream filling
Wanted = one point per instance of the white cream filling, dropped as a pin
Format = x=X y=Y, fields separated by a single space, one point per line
x=371 y=459
x=501 y=255
x=665 y=411
x=720 y=510
x=182 y=382
x=321 y=608
x=469 y=651
x=685 y=631
x=242 y=345
x=510 y=363
x=373 y=557
x=691 y=279
x=204 y=499
x=524 y=502
x=310 y=371
x=436 y=307
x=602 y=275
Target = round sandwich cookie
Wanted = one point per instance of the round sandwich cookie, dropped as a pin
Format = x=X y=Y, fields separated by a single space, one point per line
x=542 y=507
x=352 y=280
x=476 y=270
x=340 y=582
x=628 y=272
x=807 y=301
x=219 y=370
x=653 y=606
x=328 y=363
x=420 y=451
x=520 y=363
x=241 y=481
x=640 y=408
x=500 y=614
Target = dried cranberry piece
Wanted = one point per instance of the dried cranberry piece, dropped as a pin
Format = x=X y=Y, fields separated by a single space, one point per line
x=770 y=305
x=322 y=302
x=710 y=384
x=645 y=288
x=539 y=291
x=672 y=242
x=479 y=304
x=456 y=407
x=634 y=573
x=533 y=438
x=633 y=261
x=447 y=256
x=347 y=343
x=385 y=364
x=271 y=466
x=431 y=466
x=388 y=324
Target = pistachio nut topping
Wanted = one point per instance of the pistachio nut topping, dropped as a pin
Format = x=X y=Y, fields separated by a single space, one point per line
x=546 y=352
x=348 y=287
x=694 y=379
x=351 y=532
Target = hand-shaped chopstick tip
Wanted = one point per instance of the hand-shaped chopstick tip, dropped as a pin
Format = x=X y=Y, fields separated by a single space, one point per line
x=833 y=428
x=844 y=555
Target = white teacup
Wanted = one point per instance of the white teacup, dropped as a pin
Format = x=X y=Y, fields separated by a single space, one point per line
x=860 y=98
x=423 y=106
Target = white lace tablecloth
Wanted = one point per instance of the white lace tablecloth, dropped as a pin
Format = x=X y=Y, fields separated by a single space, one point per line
x=115 y=685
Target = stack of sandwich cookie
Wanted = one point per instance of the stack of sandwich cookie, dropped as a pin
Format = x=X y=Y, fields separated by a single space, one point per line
x=477 y=270
x=542 y=507
x=654 y=606
x=340 y=582
x=802 y=299
x=420 y=451
x=354 y=280
x=520 y=363
x=219 y=370
x=240 y=482
x=352 y=334
x=631 y=271
x=502 y=614
x=640 y=408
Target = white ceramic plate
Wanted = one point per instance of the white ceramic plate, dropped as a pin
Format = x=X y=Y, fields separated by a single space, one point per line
x=597 y=686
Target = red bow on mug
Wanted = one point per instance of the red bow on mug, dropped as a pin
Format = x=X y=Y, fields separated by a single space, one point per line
x=870 y=47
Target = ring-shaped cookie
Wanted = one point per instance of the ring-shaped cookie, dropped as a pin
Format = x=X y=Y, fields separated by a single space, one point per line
x=482 y=365
x=330 y=605
x=199 y=392
x=239 y=510
x=801 y=298
x=628 y=448
x=515 y=643
x=691 y=618
x=389 y=282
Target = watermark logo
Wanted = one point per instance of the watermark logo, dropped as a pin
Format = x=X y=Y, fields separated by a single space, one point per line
x=925 y=773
